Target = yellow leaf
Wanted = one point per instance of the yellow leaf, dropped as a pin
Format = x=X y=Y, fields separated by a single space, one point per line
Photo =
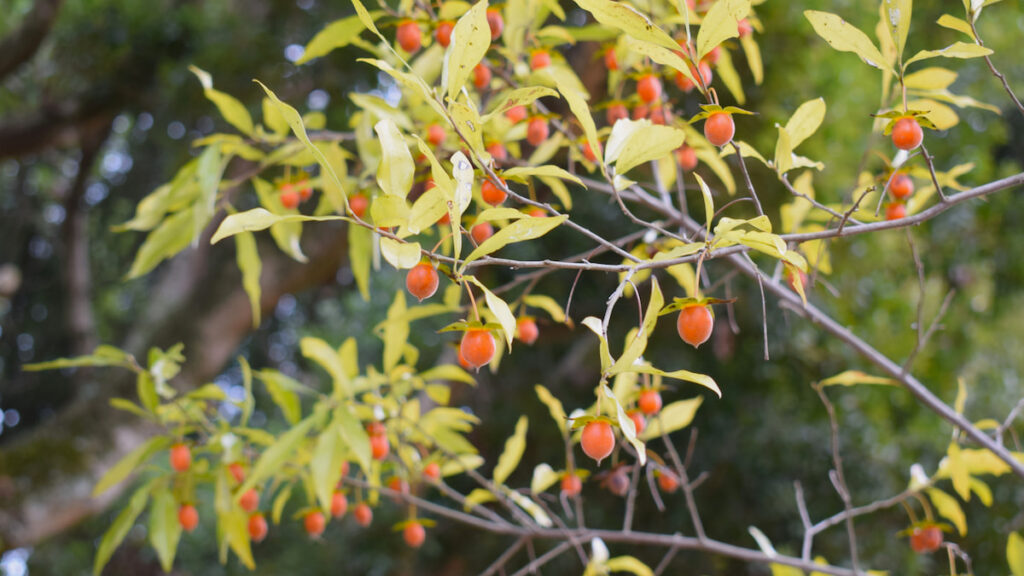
x=513 y=453
x=471 y=38
x=720 y=24
x=948 y=508
x=335 y=35
x=845 y=37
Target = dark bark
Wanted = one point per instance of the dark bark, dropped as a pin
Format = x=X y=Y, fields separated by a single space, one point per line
x=23 y=43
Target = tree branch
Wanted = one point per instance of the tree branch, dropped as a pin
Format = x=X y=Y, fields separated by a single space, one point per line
x=23 y=43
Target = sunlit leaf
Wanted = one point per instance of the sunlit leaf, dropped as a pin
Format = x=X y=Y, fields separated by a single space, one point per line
x=844 y=37
x=513 y=453
x=120 y=471
x=470 y=40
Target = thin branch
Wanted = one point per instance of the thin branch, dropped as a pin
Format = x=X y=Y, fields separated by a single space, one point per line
x=500 y=561
x=746 y=177
x=992 y=67
x=838 y=478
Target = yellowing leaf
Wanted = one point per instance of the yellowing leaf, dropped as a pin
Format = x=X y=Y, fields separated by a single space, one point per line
x=720 y=24
x=674 y=416
x=547 y=304
x=230 y=108
x=500 y=310
x=401 y=255
x=544 y=477
x=624 y=17
x=118 y=472
x=548 y=170
x=103 y=356
x=321 y=352
x=120 y=527
x=260 y=219
x=932 y=78
x=1015 y=554
x=648 y=142
x=519 y=231
x=635 y=348
x=325 y=465
x=805 y=121
x=954 y=23
x=948 y=508
x=396 y=168
x=753 y=54
x=554 y=407
x=626 y=425
x=845 y=37
x=513 y=453
x=396 y=332
x=164 y=528
x=897 y=14
x=248 y=259
x=276 y=455
x=709 y=202
x=855 y=377
x=684 y=375
x=335 y=35
x=471 y=38
x=628 y=564
x=961 y=50
x=518 y=97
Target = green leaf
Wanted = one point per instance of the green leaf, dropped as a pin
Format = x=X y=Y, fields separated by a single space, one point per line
x=547 y=304
x=805 y=121
x=471 y=38
x=628 y=564
x=513 y=453
x=248 y=259
x=260 y=219
x=280 y=501
x=898 y=20
x=624 y=17
x=360 y=245
x=235 y=526
x=282 y=391
x=961 y=50
x=673 y=417
x=167 y=240
x=274 y=457
x=1015 y=554
x=118 y=472
x=248 y=402
x=120 y=528
x=396 y=168
x=396 y=332
x=855 y=377
x=337 y=34
x=554 y=407
x=325 y=465
x=103 y=356
x=521 y=230
x=948 y=508
x=328 y=358
x=720 y=24
x=845 y=37
x=230 y=108
x=164 y=528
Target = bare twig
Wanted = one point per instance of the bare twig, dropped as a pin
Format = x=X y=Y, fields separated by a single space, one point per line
x=838 y=478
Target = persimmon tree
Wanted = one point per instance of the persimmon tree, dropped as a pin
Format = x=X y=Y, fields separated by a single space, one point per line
x=485 y=138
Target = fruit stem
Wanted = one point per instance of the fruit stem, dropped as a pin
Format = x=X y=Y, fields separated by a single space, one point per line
x=476 y=313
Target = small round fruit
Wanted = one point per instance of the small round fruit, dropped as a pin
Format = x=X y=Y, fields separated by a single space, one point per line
x=414 y=534
x=462 y=360
x=443 y=34
x=188 y=517
x=571 y=484
x=617 y=482
x=290 y=199
x=649 y=402
x=925 y=540
x=744 y=28
x=358 y=204
x=588 y=152
x=687 y=158
x=482 y=232
x=537 y=131
x=540 y=59
x=526 y=330
x=695 y=324
x=339 y=504
x=363 y=514
x=305 y=190
x=615 y=113
x=250 y=501
x=667 y=481
x=497 y=151
x=896 y=211
x=719 y=128
x=344 y=470
x=409 y=36
x=657 y=116
x=794 y=275
x=516 y=114
x=436 y=134
x=477 y=347
x=598 y=440
x=257 y=527
x=422 y=281
x=639 y=422
x=237 y=472
x=496 y=23
x=181 y=458
x=481 y=76
x=640 y=112
x=492 y=193
x=376 y=429
x=432 y=471
x=907 y=133
x=398 y=485
x=536 y=212
x=713 y=56
x=315 y=523
x=611 y=61
x=901 y=186
x=648 y=88
x=379 y=446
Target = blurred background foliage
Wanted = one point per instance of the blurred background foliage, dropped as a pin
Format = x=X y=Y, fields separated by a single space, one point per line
x=130 y=59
